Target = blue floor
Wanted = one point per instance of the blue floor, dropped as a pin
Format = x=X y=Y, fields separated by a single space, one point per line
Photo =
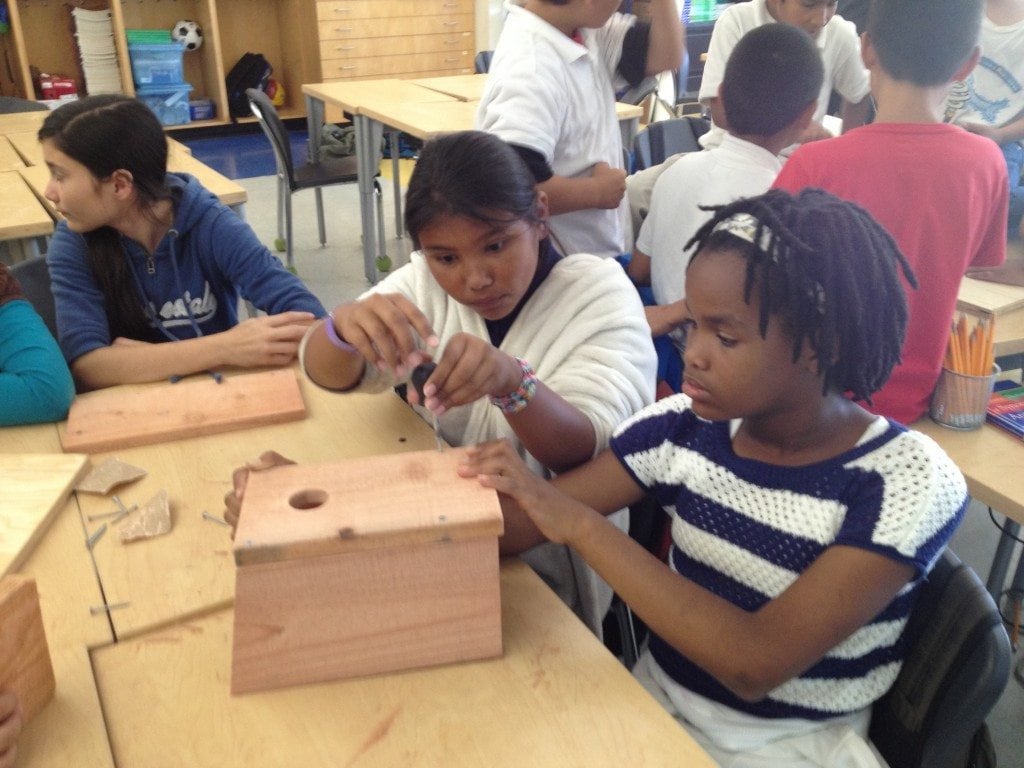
x=243 y=155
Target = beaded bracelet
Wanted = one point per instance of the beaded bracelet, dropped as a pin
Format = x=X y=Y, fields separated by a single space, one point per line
x=517 y=400
x=334 y=338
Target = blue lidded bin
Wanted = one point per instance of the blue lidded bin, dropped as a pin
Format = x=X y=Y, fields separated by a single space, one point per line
x=169 y=102
x=157 y=63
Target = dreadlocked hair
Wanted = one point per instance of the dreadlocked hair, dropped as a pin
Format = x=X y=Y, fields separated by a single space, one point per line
x=829 y=273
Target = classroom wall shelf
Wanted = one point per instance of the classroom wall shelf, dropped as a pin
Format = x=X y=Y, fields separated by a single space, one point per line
x=306 y=41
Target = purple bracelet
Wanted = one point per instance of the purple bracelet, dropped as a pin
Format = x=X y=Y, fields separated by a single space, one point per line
x=334 y=338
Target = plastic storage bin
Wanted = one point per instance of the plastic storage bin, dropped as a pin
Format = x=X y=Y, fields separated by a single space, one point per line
x=156 y=63
x=169 y=102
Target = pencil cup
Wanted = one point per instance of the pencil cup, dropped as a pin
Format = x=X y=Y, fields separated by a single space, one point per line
x=960 y=400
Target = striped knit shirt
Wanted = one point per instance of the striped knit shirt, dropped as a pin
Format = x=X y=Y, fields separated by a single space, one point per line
x=745 y=530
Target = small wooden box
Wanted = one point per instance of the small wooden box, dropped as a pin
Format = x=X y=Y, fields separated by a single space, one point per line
x=364 y=566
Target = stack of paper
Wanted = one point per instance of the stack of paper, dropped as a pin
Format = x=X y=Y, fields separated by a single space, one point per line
x=95 y=35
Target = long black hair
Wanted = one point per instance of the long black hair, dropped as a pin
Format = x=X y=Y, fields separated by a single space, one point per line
x=107 y=133
x=472 y=174
x=829 y=272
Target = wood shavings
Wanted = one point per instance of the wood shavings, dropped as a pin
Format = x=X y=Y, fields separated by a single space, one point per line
x=108 y=475
x=152 y=519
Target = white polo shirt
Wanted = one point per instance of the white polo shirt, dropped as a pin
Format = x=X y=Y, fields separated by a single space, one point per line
x=734 y=169
x=555 y=96
x=837 y=41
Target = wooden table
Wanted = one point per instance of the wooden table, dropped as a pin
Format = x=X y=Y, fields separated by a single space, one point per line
x=191 y=570
x=10 y=160
x=70 y=730
x=556 y=697
x=350 y=96
x=1004 y=304
x=991 y=461
x=151 y=687
x=422 y=108
x=16 y=122
x=23 y=219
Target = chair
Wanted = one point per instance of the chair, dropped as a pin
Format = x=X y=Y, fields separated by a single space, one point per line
x=34 y=276
x=291 y=177
x=482 y=62
x=666 y=137
x=956 y=667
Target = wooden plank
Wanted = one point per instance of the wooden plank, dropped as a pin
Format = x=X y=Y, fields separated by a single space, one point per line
x=25 y=666
x=556 y=697
x=35 y=487
x=121 y=417
x=10 y=160
x=372 y=502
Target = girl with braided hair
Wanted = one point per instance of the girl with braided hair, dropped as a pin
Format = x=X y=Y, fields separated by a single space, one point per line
x=802 y=525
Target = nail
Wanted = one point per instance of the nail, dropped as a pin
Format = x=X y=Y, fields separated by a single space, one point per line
x=215 y=519
x=95 y=536
x=117 y=500
x=107 y=608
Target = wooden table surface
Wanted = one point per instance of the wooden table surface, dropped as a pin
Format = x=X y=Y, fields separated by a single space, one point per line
x=10 y=160
x=21 y=214
x=191 y=570
x=556 y=697
x=350 y=95
x=70 y=730
x=156 y=693
x=27 y=145
x=991 y=460
x=462 y=87
x=16 y=122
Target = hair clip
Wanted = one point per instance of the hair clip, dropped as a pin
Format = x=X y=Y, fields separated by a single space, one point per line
x=744 y=226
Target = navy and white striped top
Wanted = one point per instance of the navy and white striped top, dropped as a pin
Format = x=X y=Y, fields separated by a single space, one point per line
x=745 y=530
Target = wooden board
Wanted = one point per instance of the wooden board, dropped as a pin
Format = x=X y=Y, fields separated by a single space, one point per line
x=133 y=415
x=306 y=510
x=34 y=488
x=25 y=666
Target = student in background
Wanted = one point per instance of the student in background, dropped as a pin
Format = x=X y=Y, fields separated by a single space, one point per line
x=836 y=39
x=144 y=256
x=994 y=97
x=35 y=384
x=939 y=190
x=551 y=93
x=770 y=91
x=10 y=727
x=802 y=525
x=549 y=352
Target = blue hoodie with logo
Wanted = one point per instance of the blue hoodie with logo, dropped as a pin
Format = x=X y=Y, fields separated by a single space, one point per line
x=188 y=287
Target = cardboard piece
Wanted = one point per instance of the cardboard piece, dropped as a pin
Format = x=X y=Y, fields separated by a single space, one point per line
x=153 y=519
x=33 y=489
x=123 y=417
x=364 y=566
x=25 y=666
x=109 y=475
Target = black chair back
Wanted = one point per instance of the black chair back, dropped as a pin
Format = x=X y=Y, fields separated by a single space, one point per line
x=34 y=276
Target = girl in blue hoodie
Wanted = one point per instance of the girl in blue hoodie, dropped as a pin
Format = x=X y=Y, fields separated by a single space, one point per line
x=144 y=256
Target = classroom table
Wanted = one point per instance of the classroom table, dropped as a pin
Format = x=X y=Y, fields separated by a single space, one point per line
x=24 y=221
x=10 y=160
x=990 y=459
x=350 y=96
x=555 y=697
x=70 y=730
x=15 y=122
x=411 y=106
x=150 y=687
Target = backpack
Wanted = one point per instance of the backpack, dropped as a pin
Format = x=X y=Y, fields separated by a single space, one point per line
x=250 y=71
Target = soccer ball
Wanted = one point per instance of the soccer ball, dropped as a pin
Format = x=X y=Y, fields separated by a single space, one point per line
x=188 y=32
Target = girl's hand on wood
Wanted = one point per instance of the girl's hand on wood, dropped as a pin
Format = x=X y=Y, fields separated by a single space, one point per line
x=497 y=465
x=470 y=368
x=270 y=340
x=239 y=479
x=386 y=328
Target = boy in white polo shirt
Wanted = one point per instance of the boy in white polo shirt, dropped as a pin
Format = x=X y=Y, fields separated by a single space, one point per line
x=551 y=94
x=840 y=51
x=769 y=92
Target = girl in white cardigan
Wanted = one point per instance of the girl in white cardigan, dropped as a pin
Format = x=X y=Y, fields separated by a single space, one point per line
x=551 y=353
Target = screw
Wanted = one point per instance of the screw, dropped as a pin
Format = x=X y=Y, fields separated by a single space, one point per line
x=107 y=608
x=215 y=519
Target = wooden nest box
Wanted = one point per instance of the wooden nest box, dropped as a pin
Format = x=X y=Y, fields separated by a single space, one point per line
x=364 y=566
